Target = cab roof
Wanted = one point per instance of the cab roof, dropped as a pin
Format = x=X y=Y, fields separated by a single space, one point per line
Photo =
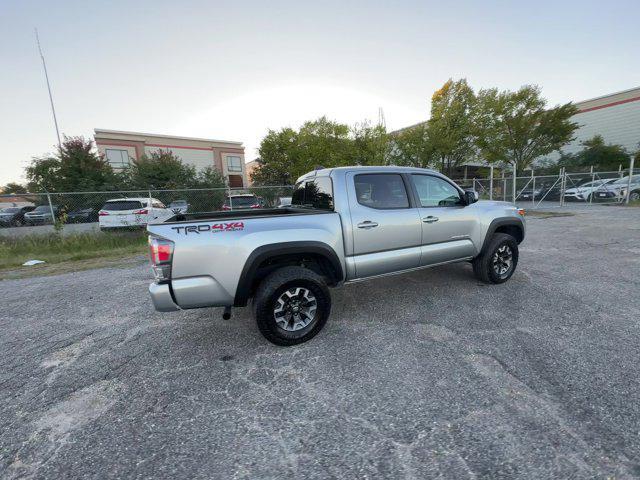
x=325 y=172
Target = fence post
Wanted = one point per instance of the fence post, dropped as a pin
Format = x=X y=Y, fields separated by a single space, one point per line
x=533 y=188
x=514 y=187
x=631 y=162
x=491 y=182
x=593 y=187
x=563 y=180
x=504 y=187
x=53 y=215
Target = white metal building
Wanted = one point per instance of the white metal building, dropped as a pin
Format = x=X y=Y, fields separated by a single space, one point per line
x=616 y=117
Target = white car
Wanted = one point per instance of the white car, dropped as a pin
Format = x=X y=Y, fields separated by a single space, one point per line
x=584 y=192
x=132 y=212
x=618 y=190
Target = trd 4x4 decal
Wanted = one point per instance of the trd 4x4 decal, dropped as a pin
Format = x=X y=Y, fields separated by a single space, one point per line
x=213 y=228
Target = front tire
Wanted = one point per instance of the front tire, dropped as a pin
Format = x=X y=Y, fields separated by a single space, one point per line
x=291 y=305
x=498 y=261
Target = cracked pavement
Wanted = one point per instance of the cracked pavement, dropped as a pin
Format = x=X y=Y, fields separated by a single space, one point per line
x=429 y=374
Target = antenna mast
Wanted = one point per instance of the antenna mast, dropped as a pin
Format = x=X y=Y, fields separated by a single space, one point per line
x=46 y=76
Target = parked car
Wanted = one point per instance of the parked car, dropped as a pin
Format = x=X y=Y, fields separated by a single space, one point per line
x=179 y=206
x=345 y=225
x=634 y=196
x=241 y=202
x=132 y=212
x=585 y=191
x=617 y=190
x=543 y=191
x=14 y=216
x=82 y=215
x=41 y=215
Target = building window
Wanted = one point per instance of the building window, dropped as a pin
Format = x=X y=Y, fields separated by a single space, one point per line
x=234 y=164
x=117 y=158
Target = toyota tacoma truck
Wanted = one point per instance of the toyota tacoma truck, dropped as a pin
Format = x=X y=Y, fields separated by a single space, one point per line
x=344 y=225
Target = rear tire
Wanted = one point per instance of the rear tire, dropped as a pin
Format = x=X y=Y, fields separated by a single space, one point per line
x=498 y=261
x=291 y=305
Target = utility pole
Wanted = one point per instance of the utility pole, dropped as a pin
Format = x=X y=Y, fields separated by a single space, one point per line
x=46 y=76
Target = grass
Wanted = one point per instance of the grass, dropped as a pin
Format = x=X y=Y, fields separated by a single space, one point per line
x=71 y=250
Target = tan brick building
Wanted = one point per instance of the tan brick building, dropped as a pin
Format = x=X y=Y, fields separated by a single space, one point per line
x=120 y=148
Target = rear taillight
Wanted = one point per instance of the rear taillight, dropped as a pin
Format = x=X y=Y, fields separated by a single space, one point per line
x=226 y=207
x=255 y=205
x=160 y=254
x=144 y=211
x=102 y=213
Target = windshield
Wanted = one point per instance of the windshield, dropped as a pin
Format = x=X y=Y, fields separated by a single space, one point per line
x=625 y=180
x=42 y=209
x=314 y=193
x=241 y=201
x=122 y=205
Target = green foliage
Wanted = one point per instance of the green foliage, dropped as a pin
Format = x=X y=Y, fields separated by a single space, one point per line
x=516 y=126
x=75 y=167
x=287 y=153
x=370 y=144
x=42 y=174
x=14 y=251
x=13 y=187
x=161 y=169
x=596 y=153
x=412 y=147
x=210 y=177
x=450 y=126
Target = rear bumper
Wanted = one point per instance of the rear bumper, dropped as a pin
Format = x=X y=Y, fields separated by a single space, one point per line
x=161 y=298
x=191 y=292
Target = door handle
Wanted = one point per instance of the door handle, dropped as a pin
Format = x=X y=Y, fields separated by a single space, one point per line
x=430 y=219
x=367 y=224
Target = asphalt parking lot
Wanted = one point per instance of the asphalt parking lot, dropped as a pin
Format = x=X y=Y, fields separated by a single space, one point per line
x=430 y=374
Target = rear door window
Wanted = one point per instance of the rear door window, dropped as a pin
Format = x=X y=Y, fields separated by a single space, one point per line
x=122 y=205
x=314 y=193
x=381 y=190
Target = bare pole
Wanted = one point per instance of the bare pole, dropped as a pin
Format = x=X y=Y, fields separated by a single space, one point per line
x=46 y=76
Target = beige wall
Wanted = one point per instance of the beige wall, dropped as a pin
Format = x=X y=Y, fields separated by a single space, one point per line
x=198 y=152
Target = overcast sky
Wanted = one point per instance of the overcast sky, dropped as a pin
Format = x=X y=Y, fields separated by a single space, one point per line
x=232 y=70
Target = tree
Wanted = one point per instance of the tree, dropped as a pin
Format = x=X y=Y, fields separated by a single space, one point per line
x=277 y=158
x=450 y=125
x=13 y=187
x=595 y=153
x=516 y=127
x=210 y=177
x=75 y=167
x=159 y=170
x=287 y=153
x=81 y=168
x=42 y=174
x=412 y=147
x=370 y=144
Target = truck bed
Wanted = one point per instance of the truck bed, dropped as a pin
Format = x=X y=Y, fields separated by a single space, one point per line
x=240 y=214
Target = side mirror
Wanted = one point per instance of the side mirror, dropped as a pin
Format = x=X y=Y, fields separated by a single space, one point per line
x=470 y=196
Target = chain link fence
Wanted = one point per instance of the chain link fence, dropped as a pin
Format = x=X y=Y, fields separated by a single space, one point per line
x=541 y=191
x=82 y=211
x=133 y=208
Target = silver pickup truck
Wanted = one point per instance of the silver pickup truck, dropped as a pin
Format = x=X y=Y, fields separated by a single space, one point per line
x=344 y=225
